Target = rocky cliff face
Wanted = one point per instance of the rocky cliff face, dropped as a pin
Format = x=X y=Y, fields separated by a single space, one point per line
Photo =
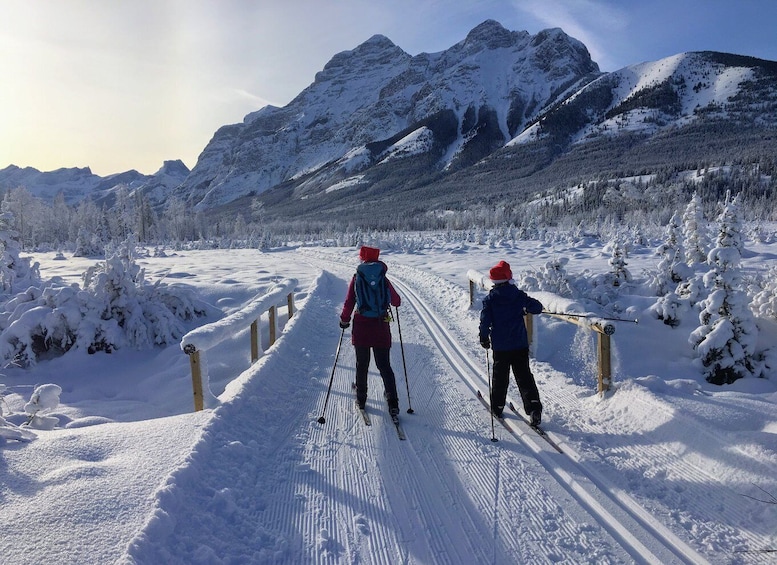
x=368 y=104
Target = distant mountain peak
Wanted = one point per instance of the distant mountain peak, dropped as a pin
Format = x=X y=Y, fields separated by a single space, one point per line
x=377 y=50
x=492 y=34
x=173 y=168
x=378 y=41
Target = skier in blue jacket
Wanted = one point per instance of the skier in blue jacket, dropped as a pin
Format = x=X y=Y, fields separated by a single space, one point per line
x=502 y=328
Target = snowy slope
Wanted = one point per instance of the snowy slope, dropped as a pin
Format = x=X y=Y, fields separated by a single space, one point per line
x=480 y=91
x=662 y=470
x=660 y=95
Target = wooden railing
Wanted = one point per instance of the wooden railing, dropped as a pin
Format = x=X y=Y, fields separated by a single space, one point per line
x=199 y=340
x=603 y=330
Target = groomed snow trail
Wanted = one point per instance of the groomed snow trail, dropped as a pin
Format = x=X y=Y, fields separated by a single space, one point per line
x=268 y=484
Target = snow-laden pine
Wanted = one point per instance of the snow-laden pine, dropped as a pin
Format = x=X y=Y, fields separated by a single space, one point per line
x=116 y=307
x=726 y=339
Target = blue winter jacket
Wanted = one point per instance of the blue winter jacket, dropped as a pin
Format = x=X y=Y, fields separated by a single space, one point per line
x=501 y=319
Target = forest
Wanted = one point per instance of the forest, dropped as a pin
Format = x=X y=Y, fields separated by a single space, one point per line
x=644 y=201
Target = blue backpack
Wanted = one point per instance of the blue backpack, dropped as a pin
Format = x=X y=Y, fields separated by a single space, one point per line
x=372 y=290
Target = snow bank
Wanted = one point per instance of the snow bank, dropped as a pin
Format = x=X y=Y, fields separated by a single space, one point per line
x=210 y=335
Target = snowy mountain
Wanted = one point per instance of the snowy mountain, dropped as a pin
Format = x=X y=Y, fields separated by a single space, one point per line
x=369 y=106
x=691 y=112
x=76 y=184
x=497 y=118
x=73 y=183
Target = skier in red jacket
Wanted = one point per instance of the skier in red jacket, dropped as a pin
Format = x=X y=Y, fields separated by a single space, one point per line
x=371 y=330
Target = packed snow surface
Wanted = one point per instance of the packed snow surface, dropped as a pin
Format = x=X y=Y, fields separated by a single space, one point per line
x=663 y=468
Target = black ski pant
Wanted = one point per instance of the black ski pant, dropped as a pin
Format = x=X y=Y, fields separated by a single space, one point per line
x=518 y=361
x=383 y=363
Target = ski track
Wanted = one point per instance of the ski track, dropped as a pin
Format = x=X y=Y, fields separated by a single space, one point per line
x=285 y=489
x=736 y=523
x=585 y=495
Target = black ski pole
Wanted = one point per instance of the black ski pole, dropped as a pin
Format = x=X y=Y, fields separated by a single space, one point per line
x=321 y=420
x=490 y=398
x=404 y=365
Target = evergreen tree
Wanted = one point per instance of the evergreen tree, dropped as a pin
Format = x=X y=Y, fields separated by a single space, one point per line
x=764 y=303
x=671 y=268
x=618 y=263
x=693 y=232
x=726 y=338
x=15 y=271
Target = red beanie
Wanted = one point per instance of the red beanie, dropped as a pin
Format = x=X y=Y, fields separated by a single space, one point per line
x=369 y=254
x=500 y=272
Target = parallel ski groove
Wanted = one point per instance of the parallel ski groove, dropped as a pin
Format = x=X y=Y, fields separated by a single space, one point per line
x=589 y=495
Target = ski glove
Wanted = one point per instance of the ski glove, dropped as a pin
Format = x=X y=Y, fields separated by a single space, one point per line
x=344 y=325
x=485 y=343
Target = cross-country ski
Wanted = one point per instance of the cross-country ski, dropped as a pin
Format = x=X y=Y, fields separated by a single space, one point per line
x=536 y=428
x=398 y=426
x=365 y=416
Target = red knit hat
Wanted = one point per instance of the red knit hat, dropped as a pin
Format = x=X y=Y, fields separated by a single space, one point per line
x=500 y=272
x=369 y=254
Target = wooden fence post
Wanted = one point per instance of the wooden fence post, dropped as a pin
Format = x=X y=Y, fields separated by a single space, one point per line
x=254 y=341
x=528 y=320
x=603 y=348
x=605 y=364
x=273 y=324
x=290 y=302
x=194 y=363
x=471 y=292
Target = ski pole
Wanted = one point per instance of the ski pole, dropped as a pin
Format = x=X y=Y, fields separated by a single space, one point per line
x=590 y=316
x=404 y=365
x=321 y=420
x=490 y=398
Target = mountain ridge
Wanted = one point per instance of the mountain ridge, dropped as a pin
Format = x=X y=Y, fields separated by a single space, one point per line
x=486 y=87
x=496 y=118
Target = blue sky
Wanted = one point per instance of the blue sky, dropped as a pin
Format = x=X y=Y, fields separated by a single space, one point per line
x=127 y=84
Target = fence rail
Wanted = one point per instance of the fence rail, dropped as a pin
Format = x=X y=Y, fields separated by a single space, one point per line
x=199 y=340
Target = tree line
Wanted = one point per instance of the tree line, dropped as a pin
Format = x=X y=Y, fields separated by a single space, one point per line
x=641 y=201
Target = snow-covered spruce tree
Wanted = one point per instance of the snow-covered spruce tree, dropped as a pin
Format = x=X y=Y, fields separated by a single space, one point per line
x=620 y=274
x=672 y=270
x=667 y=309
x=88 y=245
x=694 y=230
x=116 y=308
x=726 y=338
x=671 y=267
x=764 y=304
x=15 y=272
x=552 y=277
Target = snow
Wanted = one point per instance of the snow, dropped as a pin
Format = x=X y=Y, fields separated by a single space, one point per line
x=664 y=468
x=210 y=335
x=414 y=143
